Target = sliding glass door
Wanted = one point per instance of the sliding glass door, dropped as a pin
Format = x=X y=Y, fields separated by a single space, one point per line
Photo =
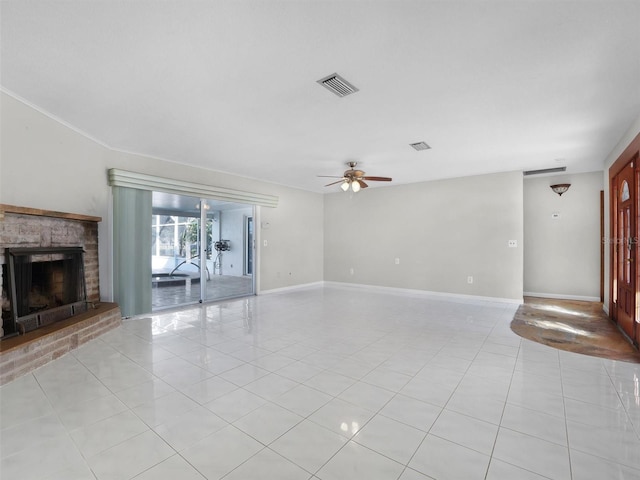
x=157 y=262
x=198 y=250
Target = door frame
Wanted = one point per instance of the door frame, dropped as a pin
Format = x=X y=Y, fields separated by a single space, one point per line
x=630 y=154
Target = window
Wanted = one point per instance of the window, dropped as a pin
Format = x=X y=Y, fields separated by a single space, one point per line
x=624 y=196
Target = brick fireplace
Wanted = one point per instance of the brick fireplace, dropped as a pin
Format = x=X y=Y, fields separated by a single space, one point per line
x=37 y=229
x=48 y=233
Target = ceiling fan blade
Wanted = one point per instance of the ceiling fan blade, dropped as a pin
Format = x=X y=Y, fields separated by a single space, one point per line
x=378 y=179
x=334 y=183
x=362 y=184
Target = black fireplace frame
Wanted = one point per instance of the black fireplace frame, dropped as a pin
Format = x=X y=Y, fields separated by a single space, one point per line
x=25 y=322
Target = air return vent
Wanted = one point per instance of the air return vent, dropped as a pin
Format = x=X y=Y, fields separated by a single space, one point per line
x=338 y=85
x=420 y=146
x=544 y=170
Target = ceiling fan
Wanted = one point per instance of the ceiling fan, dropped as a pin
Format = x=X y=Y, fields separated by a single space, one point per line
x=354 y=178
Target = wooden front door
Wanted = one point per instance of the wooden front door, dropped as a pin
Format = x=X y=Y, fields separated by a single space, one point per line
x=624 y=293
x=626 y=246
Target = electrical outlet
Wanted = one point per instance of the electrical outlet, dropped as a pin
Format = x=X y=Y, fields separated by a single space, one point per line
x=397 y=261
x=513 y=243
x=469 y=279
x=264 y=242
x=351 y=270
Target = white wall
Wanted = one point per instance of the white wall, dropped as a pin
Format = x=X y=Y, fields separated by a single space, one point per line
x=442 y=232
x=293 y=243
x=625 y=141
x=562 y=255
x=45 y=164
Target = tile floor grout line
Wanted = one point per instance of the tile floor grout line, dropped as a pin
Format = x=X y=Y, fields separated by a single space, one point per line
x=566 y=420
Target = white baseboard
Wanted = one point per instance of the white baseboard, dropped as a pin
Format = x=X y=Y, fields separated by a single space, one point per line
x=605 y=308
x=449 y=297
x=562 y=296
x=303 y=286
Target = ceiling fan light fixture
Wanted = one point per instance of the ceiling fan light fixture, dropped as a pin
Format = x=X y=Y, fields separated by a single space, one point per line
x=560 y=188
x=354 y=179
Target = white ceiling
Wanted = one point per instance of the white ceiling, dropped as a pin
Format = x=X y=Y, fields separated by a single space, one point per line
x=231 y=85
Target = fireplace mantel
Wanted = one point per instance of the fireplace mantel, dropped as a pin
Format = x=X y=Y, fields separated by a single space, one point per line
x=4 y=208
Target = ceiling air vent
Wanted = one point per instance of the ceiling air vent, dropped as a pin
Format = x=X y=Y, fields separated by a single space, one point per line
x=420 y=146
x=338 y=85
x=544 y=170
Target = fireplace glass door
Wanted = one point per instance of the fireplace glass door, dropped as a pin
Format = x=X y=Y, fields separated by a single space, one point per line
x=45 y=285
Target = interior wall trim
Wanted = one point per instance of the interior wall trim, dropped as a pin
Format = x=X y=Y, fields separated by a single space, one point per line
x=142 y=181
x=448 y=297
x=292 y=288
x=560 y=296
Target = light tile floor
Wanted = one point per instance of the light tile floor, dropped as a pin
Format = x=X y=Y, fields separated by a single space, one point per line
x=326 y=383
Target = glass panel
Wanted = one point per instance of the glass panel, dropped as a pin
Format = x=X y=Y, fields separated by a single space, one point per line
x=625 y=191
x=249 y=247
x=627 y=245
x=620 y=247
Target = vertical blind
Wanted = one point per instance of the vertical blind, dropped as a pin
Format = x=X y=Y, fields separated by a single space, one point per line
x=132 y=250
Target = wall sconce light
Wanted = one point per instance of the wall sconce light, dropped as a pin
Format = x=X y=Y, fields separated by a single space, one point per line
x=560 y=188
